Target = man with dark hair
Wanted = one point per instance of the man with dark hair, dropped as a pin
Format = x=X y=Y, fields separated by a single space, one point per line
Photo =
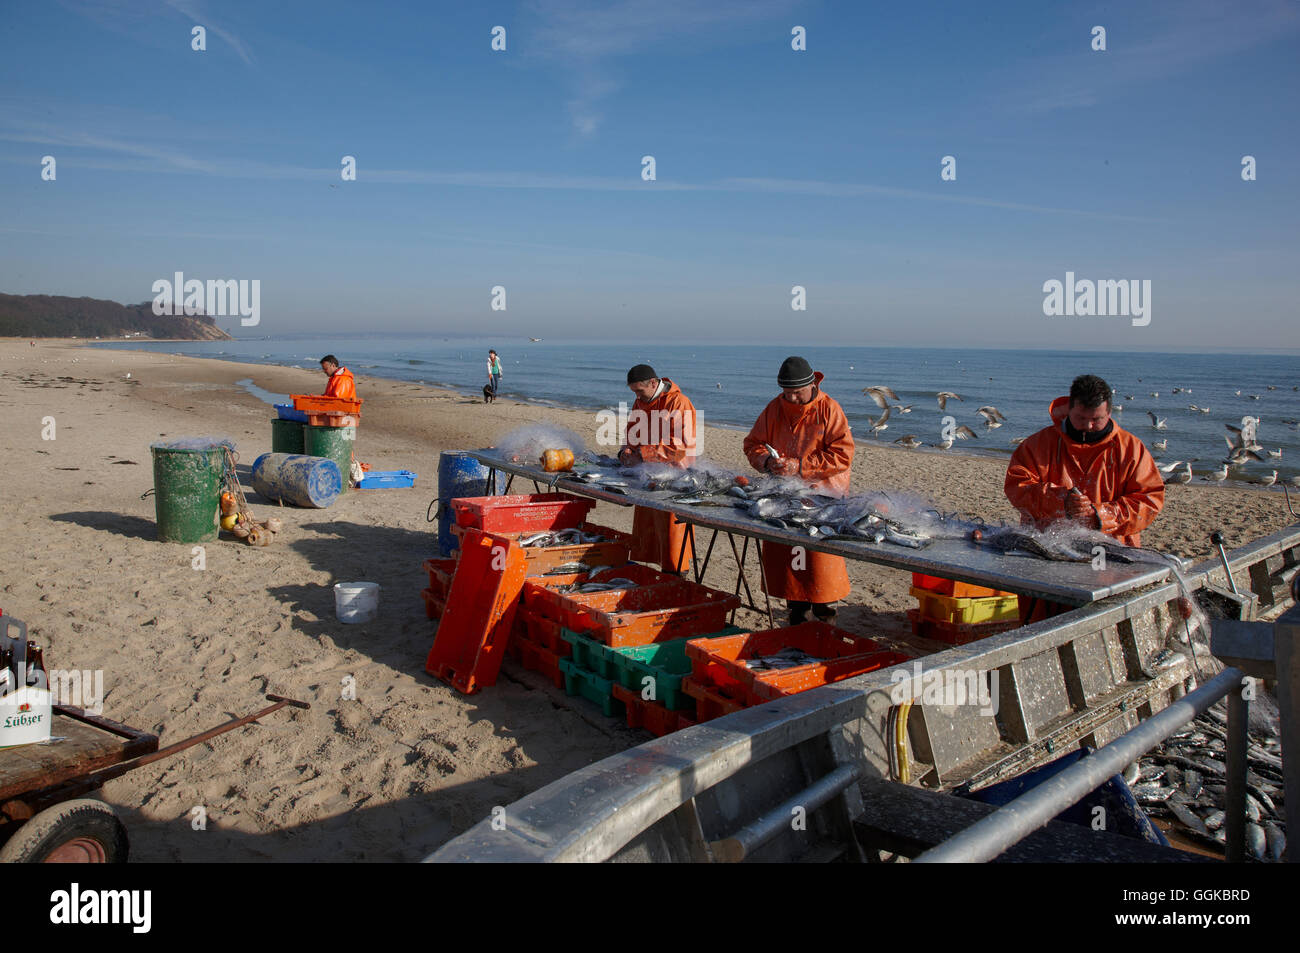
x=1086 y=469
x=660 y=429
x=341 y=383
x=803 y=433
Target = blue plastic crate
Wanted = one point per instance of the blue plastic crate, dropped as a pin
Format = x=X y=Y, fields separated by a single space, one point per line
x=287 y=412
x=388 y=480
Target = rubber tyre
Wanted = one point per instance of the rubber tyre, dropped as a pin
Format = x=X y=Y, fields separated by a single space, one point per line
x=86 y=820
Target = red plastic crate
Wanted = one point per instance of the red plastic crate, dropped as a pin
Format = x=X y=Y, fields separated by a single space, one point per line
x=709 y=704
x=480 y=613
x=536 y=658
x=521 y=513
x=671 y=610
x=440 y=572
x=950 y=587
x=651 y=716
x=955 y=633
x=719 y=663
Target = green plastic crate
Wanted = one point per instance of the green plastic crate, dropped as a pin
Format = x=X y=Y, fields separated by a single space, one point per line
x=665 y=662
x=584 y=682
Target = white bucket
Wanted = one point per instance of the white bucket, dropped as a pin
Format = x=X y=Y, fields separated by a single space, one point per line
x=356 y=601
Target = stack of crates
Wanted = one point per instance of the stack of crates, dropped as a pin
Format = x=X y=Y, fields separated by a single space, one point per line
x=957 y=613
x=631 y=640
x=329 y=429
x=726 y=675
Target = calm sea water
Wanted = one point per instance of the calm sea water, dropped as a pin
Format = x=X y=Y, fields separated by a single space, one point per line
x=729 y=385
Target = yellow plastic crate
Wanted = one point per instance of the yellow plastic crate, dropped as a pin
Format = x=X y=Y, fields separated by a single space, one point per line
x=966 y=611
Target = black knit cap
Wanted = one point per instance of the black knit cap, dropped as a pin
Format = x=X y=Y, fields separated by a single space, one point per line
x=642 y=372
x=795 y=372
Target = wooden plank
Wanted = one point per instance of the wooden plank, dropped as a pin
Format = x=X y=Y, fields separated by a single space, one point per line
x=85 y=748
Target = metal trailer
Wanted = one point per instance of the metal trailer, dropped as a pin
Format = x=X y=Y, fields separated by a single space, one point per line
x=792 y=779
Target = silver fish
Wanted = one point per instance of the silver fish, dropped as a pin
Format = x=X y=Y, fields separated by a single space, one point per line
x=1275 y=840
x=1214 y=820
x=1192 y=783
x=1256 y=841
x=1149 y=793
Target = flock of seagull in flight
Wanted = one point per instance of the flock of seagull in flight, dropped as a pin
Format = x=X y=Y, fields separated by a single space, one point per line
x=1243 y=447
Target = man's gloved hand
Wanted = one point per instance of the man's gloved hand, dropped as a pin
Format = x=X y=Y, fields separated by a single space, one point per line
x=785 y=466
x=1079 y=508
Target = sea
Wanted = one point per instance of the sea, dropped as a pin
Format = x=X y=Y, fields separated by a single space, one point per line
x=730 y=384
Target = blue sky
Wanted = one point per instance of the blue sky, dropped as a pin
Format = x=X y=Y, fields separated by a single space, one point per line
x=523 y=168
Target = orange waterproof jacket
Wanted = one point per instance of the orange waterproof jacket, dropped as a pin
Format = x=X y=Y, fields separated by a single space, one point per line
x=815 y=433
x=342 y=384
x=1117 y=474
x=664 y=428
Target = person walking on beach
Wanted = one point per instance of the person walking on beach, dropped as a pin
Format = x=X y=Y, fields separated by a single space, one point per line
x=803 y=433
x=340 y=381
x=1085 y=469
x=494 y=376
x=660 y=429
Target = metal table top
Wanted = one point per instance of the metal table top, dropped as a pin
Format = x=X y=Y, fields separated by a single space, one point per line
x=1065 y=582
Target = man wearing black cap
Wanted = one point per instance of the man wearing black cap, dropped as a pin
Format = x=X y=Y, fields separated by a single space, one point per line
x=660 y=429
x=805 y=434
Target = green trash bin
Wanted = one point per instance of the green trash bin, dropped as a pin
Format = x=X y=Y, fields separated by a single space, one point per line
x=187 y=476
x=286 y=436
x=333 y=443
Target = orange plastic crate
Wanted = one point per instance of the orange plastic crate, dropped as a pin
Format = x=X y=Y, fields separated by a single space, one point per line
x=434 y=604
x=536 y=658
x=950 y=587
x=521 y=513
x=719 y=663
x=332 y=419
x=479 y=617
x=316 y=403
x=670 y=610
x=543 y=559
x=709 y=704
x=440 y=572
x=546 y=633
x=651 y=716
x=955 y=633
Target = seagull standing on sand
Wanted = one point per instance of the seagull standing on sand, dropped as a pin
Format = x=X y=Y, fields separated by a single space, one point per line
x=1157 y=422
x=1184 y=477
x=1218 y=476
x=910 y=441
x=1268 y=480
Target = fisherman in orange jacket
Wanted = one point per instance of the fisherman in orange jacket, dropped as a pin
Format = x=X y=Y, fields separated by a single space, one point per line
x=341 y=384
x=660 y=429
x=1086 y=469
x=810 y=434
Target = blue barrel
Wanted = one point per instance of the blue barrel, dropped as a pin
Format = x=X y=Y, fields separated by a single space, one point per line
x=297 y=479
x=459 y=475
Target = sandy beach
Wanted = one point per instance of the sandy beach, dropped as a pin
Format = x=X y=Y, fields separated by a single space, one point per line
x=409 y=763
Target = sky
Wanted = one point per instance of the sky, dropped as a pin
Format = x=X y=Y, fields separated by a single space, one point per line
x=774 y=167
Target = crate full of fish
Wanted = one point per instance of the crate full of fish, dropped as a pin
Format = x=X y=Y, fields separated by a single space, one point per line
x=966 y=610
x=522 y=513
x=641 y=615
x=575 y=550
x=757 y=667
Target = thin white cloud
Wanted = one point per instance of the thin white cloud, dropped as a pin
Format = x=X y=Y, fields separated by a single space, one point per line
x=191 y=9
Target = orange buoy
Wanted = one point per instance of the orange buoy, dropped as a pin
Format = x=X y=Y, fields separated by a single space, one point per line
x=555 y=461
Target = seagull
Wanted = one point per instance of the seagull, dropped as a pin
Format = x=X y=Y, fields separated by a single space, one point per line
x=1155 y=393
x=879 y=395
x=910 y=441
x=1268 y=480
x=1218 y=476
x=1116 y=406
x=1128 y=397
x=719 y=385
x=1276 y=454
x=1238 y=393
x=1169 y=468
x=1178 y=390
x=1253 y=396
x=879 y=425
x=1017 y=441
x=1157 y=422
x=959 y=433
x=1193 y=407
x=945 y=396
x=1184 y=477
x=1272 y=387
x=903 y=410
x=991 y=413
x=534 y=340
x=1205 y=410
x=1161 y=445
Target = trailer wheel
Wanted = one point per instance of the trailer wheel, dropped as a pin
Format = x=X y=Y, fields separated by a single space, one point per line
x=81 y=831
